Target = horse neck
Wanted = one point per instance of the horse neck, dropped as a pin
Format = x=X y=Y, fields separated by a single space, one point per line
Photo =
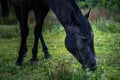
x=63 y=10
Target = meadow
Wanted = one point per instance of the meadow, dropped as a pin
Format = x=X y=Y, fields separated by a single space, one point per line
x=62 y=65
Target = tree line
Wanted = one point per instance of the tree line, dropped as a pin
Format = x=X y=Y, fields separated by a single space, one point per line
x=113 y=5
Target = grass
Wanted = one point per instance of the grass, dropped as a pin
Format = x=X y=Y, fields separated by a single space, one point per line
x=62 y=65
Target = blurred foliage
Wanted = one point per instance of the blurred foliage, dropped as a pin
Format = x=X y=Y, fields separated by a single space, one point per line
x=110 y=4
x=9 y=31
x=107 y=25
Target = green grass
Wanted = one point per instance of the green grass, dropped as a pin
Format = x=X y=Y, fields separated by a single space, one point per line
x=62 y=65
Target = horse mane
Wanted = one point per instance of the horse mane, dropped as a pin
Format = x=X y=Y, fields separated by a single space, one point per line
x=81 y=19
x=78 y=14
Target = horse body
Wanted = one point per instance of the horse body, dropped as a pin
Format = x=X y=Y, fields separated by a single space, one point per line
x=29 y=3
x=79 y=36
x=4 y=7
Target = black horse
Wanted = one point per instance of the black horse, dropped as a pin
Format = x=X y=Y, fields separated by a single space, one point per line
x=79 y=36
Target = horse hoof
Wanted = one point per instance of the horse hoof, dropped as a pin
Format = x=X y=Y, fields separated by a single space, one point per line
x=34 y=61
x=19 y=63
x=47 y=56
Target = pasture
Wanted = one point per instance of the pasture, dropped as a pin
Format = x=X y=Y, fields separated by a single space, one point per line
x=62 y=65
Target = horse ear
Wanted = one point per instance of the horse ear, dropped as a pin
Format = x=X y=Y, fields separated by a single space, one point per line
x=87 y=15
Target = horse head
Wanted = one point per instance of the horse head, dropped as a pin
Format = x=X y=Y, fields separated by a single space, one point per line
x=80 y=40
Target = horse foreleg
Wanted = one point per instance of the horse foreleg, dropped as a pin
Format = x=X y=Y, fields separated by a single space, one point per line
x=40 y=15
x=22 y=16
x=23 y=46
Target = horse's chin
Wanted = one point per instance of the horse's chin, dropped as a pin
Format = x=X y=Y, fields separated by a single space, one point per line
x=92 y=68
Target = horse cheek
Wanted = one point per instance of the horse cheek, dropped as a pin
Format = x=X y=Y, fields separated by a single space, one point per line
x=70 y=44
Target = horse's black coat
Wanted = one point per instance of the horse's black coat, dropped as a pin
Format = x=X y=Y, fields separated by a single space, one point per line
x=79 y=36
x=4 y=7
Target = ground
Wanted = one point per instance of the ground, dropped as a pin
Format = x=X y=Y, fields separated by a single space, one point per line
x=62 y=65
